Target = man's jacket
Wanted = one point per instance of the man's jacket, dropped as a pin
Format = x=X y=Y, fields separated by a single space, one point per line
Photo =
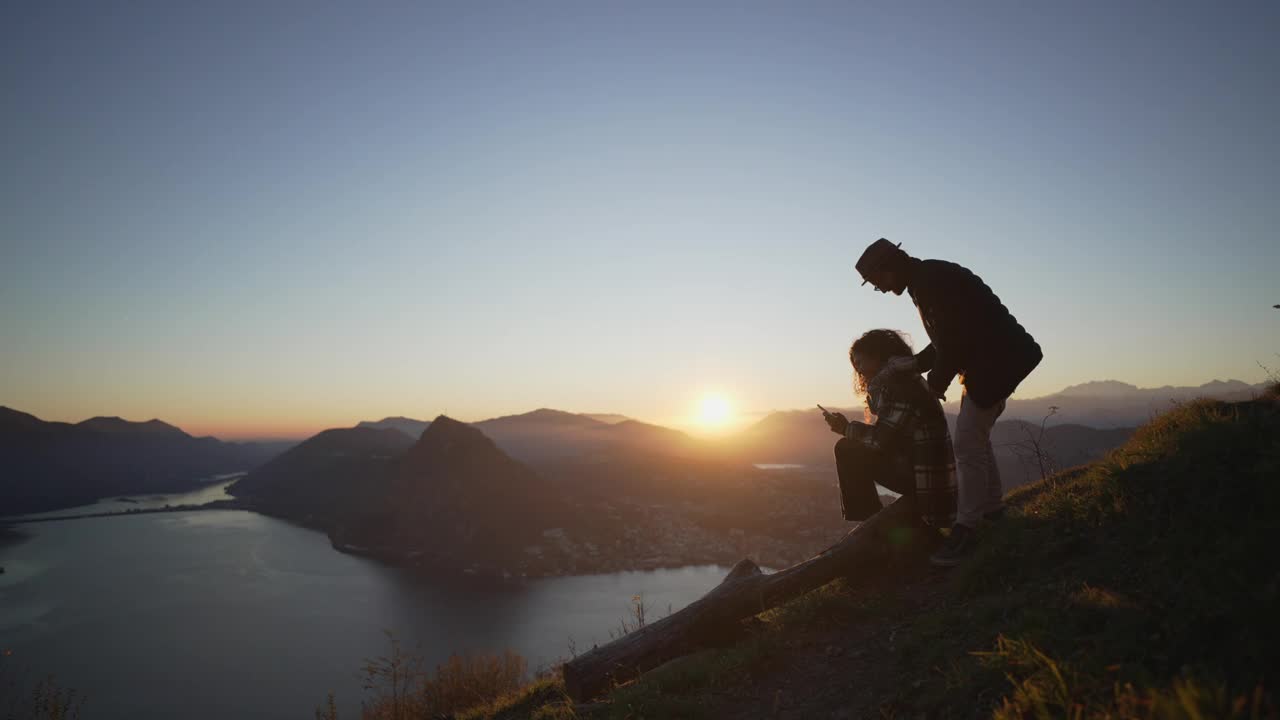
x=971 y=333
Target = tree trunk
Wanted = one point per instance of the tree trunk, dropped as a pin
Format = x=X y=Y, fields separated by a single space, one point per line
x=744 y=593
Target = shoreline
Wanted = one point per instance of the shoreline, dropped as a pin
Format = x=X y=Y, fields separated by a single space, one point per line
x=410 y=560
x=92 y=506
x=10 y=535
x=214 y=505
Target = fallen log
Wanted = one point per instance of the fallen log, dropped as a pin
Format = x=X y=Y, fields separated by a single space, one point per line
x=745 y=592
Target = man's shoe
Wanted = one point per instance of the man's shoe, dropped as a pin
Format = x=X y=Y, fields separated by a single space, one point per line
x=957 y=547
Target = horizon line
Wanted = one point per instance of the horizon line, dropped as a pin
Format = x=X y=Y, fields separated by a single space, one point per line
x=274 y=433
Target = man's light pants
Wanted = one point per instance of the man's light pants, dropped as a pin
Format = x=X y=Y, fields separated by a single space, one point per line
x=979 y=478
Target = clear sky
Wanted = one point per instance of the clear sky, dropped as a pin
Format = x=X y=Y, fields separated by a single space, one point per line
x=268 y=218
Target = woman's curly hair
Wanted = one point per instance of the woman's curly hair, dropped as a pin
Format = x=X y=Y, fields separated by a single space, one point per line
x=881 y=344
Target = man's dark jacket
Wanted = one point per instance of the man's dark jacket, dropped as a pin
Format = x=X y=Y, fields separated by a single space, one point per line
x=971 y=333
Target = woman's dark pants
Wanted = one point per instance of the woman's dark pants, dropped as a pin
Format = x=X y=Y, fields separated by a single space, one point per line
x=860 y=468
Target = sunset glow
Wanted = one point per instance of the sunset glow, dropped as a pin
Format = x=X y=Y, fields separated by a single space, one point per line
x=459 y=335
x=714 y=411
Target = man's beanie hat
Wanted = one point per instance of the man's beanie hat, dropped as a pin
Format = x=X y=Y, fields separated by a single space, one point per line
x=877 y=255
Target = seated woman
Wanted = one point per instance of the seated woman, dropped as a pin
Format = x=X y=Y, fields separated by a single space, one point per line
x=908 y=447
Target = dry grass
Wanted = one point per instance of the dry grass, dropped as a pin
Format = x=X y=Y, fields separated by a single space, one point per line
x=403 y=690
x=1044 y=687
x=1142 y=586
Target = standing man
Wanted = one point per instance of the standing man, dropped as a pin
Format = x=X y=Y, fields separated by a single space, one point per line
x=972 y=335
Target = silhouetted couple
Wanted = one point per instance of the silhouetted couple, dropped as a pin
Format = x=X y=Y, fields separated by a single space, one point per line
x=908 y=448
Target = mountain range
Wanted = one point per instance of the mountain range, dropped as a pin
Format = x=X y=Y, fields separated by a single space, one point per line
x=48 y=465
x=545 y=435
x=1070 y=416
x=1113 y=404
x=571 y=495
x=551 y=492
x=451 y=499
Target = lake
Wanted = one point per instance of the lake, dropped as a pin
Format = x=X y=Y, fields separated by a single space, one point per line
x=207 y=491
x=226 y=613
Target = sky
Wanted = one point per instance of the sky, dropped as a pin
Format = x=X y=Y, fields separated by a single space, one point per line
x=262 y=219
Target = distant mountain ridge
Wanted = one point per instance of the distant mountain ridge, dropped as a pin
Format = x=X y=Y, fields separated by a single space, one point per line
x=50 y=465
x=546 y=435
x=1098 y=403
x=124 y=427
x=1110 y=403
x=1117 y=401
x=1090 y=418
x=408 y=426
x=608 y=418
x=1112 y=388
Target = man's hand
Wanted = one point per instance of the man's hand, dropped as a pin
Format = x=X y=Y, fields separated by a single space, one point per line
x=904 y=363
x=939 y=384
x=837 y=422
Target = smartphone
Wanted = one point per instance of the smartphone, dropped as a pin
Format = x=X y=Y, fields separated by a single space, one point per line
x=824 y=410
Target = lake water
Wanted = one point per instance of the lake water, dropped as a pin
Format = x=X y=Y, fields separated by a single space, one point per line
x=214 y=488
x=221 y=613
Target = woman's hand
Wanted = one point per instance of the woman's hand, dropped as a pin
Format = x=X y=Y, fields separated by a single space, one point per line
x=837 y=422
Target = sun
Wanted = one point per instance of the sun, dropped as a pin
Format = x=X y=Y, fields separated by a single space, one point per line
x=714 y=410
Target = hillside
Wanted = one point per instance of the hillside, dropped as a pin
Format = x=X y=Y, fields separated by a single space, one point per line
x=1141 y=586
x=49 y=465
x=328 y=478
x=458 y=501
x=451 y=500
x=1062 y=446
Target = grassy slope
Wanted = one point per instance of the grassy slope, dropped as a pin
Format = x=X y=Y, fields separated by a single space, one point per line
x=1144 y=585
